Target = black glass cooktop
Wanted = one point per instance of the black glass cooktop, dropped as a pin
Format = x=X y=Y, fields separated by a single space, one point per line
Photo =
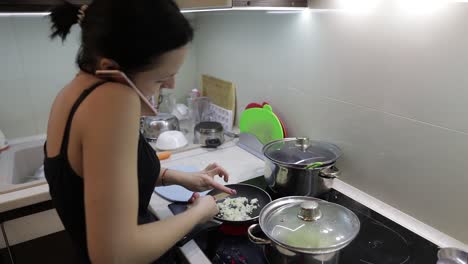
x=380 y=240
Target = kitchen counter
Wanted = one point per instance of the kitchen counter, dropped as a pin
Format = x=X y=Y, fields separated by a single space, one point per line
x=242 y=166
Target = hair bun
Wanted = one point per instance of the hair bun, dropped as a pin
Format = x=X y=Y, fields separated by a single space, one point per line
x=63 y=17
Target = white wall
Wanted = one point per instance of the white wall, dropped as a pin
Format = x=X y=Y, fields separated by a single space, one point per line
x=34 y=68
x=390 y=89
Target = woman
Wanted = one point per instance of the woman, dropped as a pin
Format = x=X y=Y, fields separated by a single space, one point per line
x=100 y=170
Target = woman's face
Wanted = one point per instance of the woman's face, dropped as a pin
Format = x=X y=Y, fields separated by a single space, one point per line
x=162 y=74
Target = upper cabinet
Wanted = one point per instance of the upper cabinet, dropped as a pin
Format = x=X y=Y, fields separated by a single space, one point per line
x=226 y=4
x=46 y=5
x=27 y=5
x=204 y=4
x=33 y=5
x=269 y=3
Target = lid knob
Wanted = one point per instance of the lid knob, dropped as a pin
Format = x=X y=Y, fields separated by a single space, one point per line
x=310 y=211
x=303 y=143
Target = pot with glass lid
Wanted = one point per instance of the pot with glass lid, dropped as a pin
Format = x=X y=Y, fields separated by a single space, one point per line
x=299 y=166
x=301 y=229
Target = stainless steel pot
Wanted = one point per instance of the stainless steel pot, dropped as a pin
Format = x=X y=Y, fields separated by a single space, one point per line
x=299 y=166
x=452 y=256
x=303 y=229
x=209 y=134
x=152 y=126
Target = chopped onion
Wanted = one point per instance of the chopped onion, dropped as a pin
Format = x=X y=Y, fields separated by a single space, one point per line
x=237 y=209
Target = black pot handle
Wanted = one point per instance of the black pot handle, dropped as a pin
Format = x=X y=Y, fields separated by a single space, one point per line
x=331 y=172
x=255 y=239
x=212 y=143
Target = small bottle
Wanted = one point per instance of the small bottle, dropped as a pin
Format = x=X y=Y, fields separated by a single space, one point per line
x=194 y=93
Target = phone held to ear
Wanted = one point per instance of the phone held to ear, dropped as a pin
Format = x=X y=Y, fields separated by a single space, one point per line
x=119 y=76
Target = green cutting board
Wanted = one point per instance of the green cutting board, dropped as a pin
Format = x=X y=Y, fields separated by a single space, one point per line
x=262 y=123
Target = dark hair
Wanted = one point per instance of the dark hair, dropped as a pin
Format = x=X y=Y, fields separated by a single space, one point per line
x=132 y=33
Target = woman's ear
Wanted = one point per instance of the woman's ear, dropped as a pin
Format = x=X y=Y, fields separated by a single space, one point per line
x=108 y=64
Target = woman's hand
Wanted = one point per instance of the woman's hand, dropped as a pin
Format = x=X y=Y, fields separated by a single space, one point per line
x=206 y=208
x=204 y=180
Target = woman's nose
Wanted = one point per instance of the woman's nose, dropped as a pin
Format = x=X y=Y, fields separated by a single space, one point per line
x=169 y=84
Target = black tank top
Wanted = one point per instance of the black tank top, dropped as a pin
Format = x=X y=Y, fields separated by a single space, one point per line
x=67 y=188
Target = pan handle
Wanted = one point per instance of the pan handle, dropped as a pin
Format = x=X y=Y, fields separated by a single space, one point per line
x=254 y=239
x=198 y=230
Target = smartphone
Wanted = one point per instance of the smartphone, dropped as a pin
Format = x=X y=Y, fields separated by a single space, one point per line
x=121 y=77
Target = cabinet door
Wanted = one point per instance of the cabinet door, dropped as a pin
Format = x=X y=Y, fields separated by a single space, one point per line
x=33 y=5
x=270 y=3
x=204 y=4
x=56 y=248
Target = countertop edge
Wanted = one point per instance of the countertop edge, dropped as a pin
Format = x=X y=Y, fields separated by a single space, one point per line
x=24 y=197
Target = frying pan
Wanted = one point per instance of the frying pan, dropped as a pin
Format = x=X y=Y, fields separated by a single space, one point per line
x=243 y=190
x=250 y=192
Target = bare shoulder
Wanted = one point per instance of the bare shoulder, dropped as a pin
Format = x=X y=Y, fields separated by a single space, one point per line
x=113 y=97
x=111 y=93
x=111 y=102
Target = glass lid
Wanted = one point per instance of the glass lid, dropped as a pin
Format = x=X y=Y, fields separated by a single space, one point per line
x=310 y=225
x=301 y=152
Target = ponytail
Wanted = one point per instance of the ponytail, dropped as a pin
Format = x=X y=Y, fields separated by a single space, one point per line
x=63 y=17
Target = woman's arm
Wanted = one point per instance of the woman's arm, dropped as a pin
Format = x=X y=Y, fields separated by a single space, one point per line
x=109 y=134
x=196 y=181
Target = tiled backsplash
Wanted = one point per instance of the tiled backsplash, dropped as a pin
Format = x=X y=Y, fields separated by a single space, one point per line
x=390 y=89
x=34 y=68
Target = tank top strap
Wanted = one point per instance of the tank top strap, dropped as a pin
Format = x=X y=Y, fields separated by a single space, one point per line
x=81 y=98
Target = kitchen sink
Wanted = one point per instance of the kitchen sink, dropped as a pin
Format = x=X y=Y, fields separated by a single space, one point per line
x=26 y=162
x=19 y=164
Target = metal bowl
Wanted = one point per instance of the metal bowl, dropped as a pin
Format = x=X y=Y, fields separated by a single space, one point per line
x=152 y=126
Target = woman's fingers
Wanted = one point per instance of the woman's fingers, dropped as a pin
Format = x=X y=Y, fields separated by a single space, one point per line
x=219 y=186
x=195 y=196
x=219 y=171
x=210 y=166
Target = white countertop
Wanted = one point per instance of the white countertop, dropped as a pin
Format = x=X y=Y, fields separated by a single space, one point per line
x=242 y=166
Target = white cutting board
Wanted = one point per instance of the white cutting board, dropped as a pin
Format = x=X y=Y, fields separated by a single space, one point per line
x=177 y=193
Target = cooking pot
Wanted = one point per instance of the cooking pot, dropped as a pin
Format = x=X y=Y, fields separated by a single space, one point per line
x=301 y=229
x=299 y=166
x=152 y=126
x=209 y=134
x=452 y=256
